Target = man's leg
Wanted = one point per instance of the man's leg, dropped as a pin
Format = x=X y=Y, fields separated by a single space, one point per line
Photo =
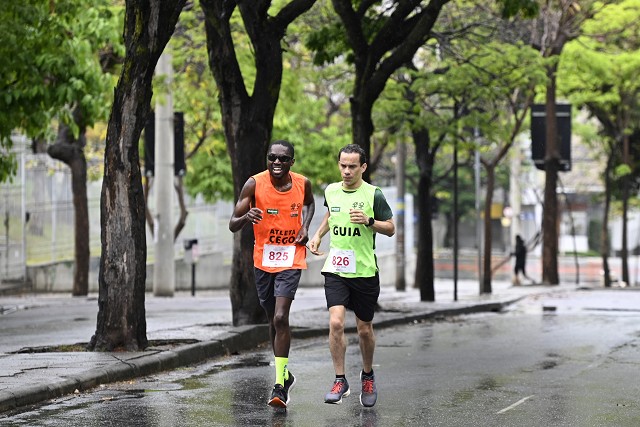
x=337 y=339
x=284 y=291
x=367 y=338
x=272 y=329
x=338 y=348
x=282 y=338
x=367 y=343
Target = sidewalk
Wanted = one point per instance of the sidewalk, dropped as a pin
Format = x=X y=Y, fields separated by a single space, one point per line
x=184 y=330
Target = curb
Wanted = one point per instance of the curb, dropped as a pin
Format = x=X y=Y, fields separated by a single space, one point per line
x=238 y=339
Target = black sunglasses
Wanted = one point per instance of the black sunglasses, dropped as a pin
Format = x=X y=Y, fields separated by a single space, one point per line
x=283 y=159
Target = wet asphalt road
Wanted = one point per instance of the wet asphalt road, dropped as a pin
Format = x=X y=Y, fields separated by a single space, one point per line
x=560 y=362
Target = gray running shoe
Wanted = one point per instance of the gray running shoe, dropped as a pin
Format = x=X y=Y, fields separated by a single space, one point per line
x=339 y=390
x=369 y=393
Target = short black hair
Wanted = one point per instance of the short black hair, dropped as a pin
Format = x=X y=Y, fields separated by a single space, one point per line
x=354 y=148
x=285 y=144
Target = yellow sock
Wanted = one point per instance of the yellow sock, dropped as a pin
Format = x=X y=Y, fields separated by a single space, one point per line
x=282 y=373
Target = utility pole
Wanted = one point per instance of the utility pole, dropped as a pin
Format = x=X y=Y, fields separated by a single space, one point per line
x=476 y=173
x=164 y=265
x=401 y=154
x=515 y=196
x=455 y=220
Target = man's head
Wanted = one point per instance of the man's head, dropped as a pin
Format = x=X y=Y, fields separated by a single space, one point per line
x=354 y=148
x=352 y=162
x=280 y=158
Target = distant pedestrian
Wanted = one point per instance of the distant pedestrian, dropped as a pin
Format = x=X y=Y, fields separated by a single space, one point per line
x=356 y=211
x=279 y=204
x=521 y=260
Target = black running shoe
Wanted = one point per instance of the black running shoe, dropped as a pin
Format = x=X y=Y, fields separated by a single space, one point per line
x=279 y=398
x=288 y=385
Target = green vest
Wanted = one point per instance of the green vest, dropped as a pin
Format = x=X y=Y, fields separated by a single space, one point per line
x=350 y=241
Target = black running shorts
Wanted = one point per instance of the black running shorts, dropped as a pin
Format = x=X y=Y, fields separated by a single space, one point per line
x=359 y=294
x=281 y=284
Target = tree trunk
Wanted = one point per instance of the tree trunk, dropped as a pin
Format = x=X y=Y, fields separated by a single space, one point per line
x=624 y=252
x=552 y=165
x=425 y=271
x=362 y=126
x=121 y=322
x=605 y=220
x=488 y=232
x=70 y=151
x=82 y=248
x=247 y=119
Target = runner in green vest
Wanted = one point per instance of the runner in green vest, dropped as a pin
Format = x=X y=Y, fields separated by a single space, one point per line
x=356 y=212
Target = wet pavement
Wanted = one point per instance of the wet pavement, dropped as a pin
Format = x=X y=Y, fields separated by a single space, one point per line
x=524 y=366
x=184 y=330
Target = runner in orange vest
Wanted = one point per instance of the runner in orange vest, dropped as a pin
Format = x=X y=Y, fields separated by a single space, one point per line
x=280 y=205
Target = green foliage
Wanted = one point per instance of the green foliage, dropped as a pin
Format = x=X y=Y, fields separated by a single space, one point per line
x=54 y=67
x=511 y=8
x=328 y=43
x=301 y=119
x=599 y=72
x=302 y=115
x=196 y=95
x=470 y=80
x=209 y=173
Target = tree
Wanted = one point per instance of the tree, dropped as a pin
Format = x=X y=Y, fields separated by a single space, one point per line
x=247 y=117
x=121 y=322
x=38 y=81
x=487 y=87
x=30 y=37
x=381 y=39
x=61 y=52
x=602 y=77
x=452 y=88
x=309 y=112
x=94 y=49
x=511 y=78
x=559 y=23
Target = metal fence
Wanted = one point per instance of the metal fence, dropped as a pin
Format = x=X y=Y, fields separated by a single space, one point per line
x=38 y=218
x=38 y=224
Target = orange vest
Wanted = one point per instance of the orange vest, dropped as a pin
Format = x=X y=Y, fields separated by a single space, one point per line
x=281 y=220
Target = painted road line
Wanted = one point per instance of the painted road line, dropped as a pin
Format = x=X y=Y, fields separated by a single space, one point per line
x=510 y=407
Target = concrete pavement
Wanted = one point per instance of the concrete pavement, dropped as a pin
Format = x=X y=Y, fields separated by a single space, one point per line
x=42 y=336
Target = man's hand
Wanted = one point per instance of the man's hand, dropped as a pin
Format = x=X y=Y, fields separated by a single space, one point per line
x=357 y=216
x=254 y=215
x=314 y=245
x=302 y=237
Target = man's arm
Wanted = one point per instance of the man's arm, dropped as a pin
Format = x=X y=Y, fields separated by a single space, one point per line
x=308 y=209
x=388 y=228
x=314 y=243
x=243 y=213
x=382 y=210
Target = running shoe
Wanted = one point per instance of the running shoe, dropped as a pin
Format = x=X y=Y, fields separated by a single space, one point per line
x=339 y=390
x=369 y=393
x=279 y=398
x=288 y=385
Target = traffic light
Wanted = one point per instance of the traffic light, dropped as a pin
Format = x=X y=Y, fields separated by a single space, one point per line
x=179 y=165
x=538 y=135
